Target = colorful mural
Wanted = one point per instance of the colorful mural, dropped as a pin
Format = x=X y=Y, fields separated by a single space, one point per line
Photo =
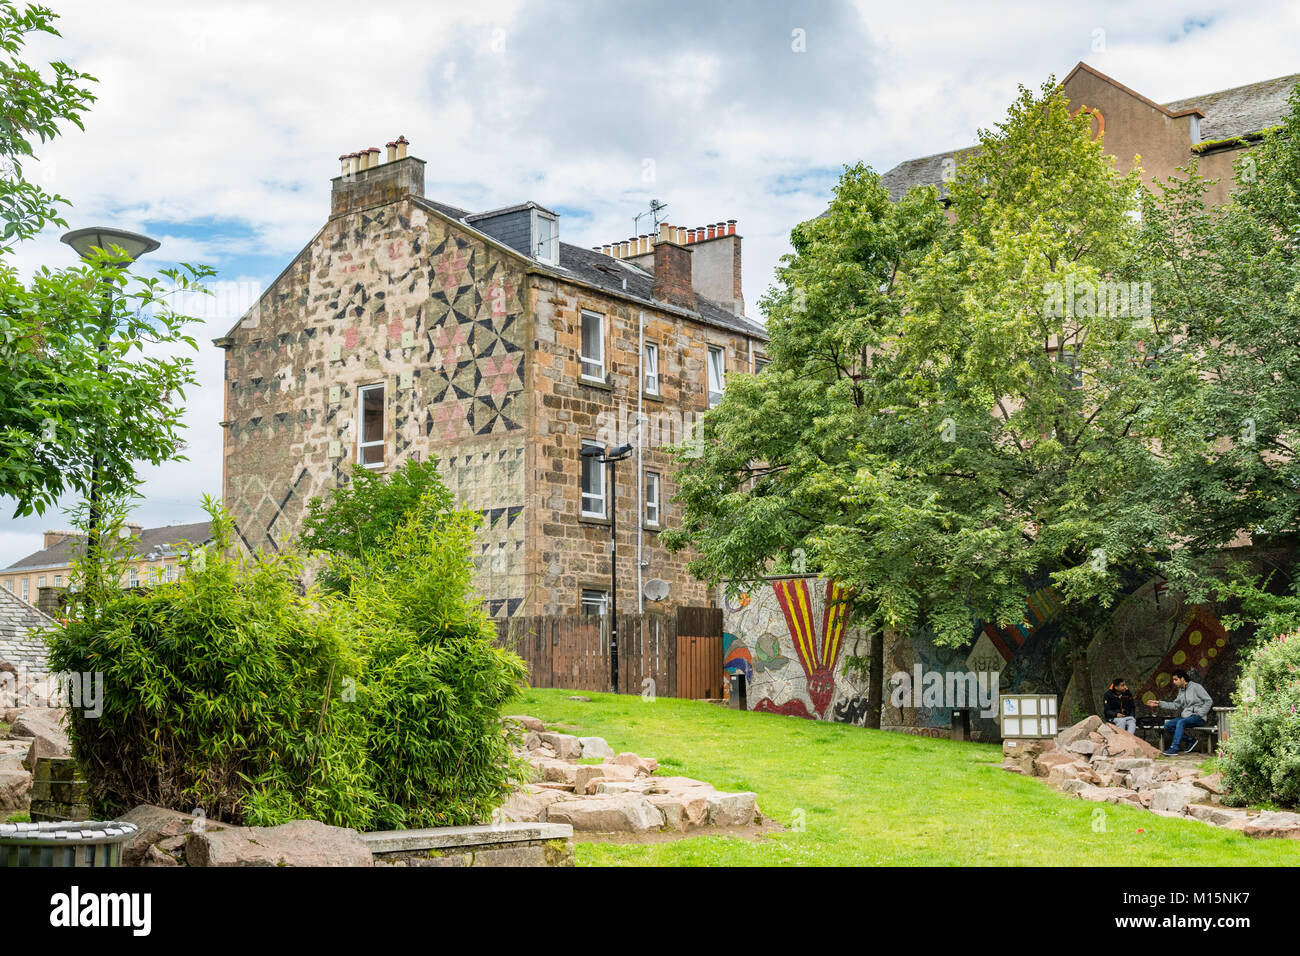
x=793 y=667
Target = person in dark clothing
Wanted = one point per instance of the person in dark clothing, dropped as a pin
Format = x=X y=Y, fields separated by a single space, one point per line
x=1119 y=707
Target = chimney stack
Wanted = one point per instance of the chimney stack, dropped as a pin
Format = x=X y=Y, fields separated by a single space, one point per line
x=672 y=269
x=366 y=182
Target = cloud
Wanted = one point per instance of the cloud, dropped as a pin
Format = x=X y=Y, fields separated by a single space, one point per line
x=218 y=128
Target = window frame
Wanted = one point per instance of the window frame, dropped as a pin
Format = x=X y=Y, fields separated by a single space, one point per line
x=721 y=352
x=657 y=503
x=603 y=602
x=583 y=359
x=382 y=443
x=603 y=514
x=648 y=349
x=553 y=257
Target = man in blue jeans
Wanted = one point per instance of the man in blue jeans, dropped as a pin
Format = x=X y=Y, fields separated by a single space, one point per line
x=1193 y=708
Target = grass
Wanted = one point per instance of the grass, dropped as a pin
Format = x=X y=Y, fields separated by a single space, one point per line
x=22 y=817
x=876 y=798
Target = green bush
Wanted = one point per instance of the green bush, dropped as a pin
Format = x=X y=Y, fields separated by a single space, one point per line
x=1261 y=759
x=238 y=691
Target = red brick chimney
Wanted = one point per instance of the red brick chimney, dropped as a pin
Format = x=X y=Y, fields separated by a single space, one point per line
x=673 y=275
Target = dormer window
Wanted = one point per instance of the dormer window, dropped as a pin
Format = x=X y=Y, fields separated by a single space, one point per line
x=546 y=238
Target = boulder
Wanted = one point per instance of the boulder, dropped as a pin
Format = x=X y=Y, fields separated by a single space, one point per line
x=617 y=813
x=526 y=722
x=554 y=771
x=1023 y=765
x=646 y=765
x=1095 y=794
x=586 y=775
x=545 y=796
x=15 y=787
x=1213 y=783
x=155 y=825
x=519 y=807
x=1044 y=764
x=732 y=809
x=297 y=843
x=1059 y=774
x=1133 y=763
x=683 y=809
x=45 y=726
x=1273 y=825
x=1175 y=797
x=566 y=746
x=532 y=741
x=1140 y=778
x=1078 y=731
x=1217 y=816
x=1073 y=785
x=595 y=747
x=1026 y=748
x=669 y=784
x=1120 y=743
x=1085 y=747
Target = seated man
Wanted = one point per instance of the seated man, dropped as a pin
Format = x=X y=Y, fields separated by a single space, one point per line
x=1193 y=707
x=1118 y=706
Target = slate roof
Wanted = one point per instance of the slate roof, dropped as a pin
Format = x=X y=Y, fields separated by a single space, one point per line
x=63 y=552
x=18 y=645
x=1228 y=113
x=614 y=275
x=1242 y=109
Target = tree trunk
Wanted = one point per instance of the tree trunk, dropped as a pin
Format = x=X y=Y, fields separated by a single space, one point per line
x=875 y=679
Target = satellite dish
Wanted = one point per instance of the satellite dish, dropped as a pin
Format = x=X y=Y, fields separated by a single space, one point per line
x=656 y=589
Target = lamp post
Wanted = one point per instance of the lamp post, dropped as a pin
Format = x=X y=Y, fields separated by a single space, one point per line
x=86 y=242
x=610 y=457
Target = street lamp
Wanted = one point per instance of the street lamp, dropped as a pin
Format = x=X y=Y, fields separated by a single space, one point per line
x=610 y=457
x=85 y=242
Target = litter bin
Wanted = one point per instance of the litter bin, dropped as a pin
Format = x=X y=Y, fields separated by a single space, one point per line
x=83 y=843
x=737 y=699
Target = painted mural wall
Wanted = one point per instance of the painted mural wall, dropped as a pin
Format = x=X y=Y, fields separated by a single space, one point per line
x=790 y=640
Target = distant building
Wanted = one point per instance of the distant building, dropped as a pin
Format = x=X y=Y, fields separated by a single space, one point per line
x=158 y=550
x=1213 y=127
x=407 y=328
x=19 y=646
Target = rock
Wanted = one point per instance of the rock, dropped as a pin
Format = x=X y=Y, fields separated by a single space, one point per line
x=15 y=787
x=1213 y=783
x=732 y=809
x=620 y=813
x=1073 y=785
x=156 y=824
x=555 y=771
x=1133 y=763
x=1102 y=764
x=526 y=722
x=1123 y=795
x=1026 y=748
x=546 y=796
x=1120 y=743
x=44 y=725
x=566 y=746
x=1094 y=794
x=519 y=807
x=1273 y=825
x=646 y=765
x=586 y=775
x=595 y=747
x=1217 y=816
x=1044 y=764
x=1174 y=797
x=1023 y=765
x=670 y=784
x=585 y=700
x=1077 y=732
x=297 y=843
x=1086 y=747
x=1060 y=773
x=1141 y=778
x=155 y=856
x=532 y=741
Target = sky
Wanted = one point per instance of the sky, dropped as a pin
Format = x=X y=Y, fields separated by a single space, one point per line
x=218 y=126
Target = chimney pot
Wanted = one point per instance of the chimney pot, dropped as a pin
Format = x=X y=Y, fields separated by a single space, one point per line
x=713 y=232
x=392 y=151
x=731 y=227
x=401 y=145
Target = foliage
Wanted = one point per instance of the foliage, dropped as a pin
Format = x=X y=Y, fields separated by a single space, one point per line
x=32 y=108
x=1260 y=760
x=237 y=691
x=87 y=350
x=355 y=519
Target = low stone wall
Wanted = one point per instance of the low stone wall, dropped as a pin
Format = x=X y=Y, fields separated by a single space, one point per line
x=503 y=844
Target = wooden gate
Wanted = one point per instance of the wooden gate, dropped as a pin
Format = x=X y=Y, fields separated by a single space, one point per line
x=699 y=653
x=655 y=654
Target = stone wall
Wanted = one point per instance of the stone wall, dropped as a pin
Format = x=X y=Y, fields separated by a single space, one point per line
x=393 y=295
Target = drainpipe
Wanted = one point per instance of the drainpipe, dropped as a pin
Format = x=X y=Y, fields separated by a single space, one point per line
x=640 y=442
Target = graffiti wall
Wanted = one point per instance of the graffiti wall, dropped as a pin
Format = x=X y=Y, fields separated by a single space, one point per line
x=790 y=640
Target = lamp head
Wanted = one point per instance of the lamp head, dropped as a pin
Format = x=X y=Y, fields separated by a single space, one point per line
x=591 y=451
x=85 y=241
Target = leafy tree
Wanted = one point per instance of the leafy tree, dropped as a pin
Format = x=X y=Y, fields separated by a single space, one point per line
x=948 y=412
x=355 y=520
x=89 y=379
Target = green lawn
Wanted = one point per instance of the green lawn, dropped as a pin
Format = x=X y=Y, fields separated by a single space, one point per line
x=872 y=797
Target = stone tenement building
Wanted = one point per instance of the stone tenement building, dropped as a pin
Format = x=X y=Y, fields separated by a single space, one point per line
x=1213 y=128
x=408 y=328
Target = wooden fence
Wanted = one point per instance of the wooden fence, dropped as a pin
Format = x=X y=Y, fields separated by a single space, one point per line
x=680 y=652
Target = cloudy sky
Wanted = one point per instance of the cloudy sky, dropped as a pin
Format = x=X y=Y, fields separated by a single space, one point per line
x=218 y=126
